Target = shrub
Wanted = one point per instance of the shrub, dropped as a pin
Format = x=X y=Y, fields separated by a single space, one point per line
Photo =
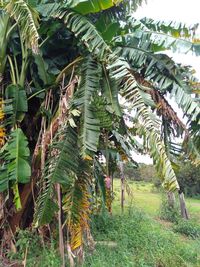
x=189 y=179
x=38 y=255
x=187 y=227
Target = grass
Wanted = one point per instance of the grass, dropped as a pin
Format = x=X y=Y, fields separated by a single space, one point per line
x=143 y=197
x=140 y=242
x=146 y=198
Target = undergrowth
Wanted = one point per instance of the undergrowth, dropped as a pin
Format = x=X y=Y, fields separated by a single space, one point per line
x=129 y=240
x=168 y=212
x=34 y=252
x=190 y=228
x=187 y=227
x=139 y=242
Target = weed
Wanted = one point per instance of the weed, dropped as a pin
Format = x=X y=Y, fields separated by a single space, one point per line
x=29 y=246
x=140 y=242
x=187 y=227
x=168 y=212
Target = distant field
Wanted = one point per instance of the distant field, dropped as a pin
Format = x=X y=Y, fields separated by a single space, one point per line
x=146 y=198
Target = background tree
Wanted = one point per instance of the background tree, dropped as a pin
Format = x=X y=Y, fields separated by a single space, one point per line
x=189 y=179
x=143 y=172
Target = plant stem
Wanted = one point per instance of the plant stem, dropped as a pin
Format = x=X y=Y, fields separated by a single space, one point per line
x=61 y=238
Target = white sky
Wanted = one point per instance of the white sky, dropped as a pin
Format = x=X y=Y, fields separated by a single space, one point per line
x=176 y=10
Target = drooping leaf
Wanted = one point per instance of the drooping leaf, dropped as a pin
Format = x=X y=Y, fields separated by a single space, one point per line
x=164 y=74
x=16 y=168
x=60 y=168
x=149 y=127
x=110 y=89
x=162 y=36
x=27 y=19
x=88 y=87
x=120 y=70
x=77 y=207
x=46 y=205
x=86 y=31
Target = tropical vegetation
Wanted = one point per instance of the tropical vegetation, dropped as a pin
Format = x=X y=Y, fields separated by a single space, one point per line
x=79 y=82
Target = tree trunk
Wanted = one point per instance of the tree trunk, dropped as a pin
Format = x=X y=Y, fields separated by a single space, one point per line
x=184 y=212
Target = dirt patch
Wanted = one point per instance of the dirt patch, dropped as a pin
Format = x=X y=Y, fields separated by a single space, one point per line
x=107 y=243
x=165 y=223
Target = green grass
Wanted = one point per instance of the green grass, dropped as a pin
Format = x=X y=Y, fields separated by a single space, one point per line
x=139 y=242
x=145 y=197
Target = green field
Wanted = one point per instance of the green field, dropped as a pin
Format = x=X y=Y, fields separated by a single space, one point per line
x=148 y=199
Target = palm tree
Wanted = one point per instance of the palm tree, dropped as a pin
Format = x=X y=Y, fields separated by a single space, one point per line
x=61 y=78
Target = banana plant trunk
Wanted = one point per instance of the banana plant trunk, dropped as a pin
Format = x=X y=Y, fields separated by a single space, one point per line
x=184 y=211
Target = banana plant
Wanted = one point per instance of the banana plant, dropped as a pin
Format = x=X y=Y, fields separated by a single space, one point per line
x=82 y=80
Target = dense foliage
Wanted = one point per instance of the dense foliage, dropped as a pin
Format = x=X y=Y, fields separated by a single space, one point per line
x=189 y=179
x=64 y=66
x=142 y=172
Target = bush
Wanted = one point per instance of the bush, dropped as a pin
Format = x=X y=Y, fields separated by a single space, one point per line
x=187 y=227
x=168 y=212
x=189 y=179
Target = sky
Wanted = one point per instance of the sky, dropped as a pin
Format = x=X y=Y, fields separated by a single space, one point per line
x=176 y=10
